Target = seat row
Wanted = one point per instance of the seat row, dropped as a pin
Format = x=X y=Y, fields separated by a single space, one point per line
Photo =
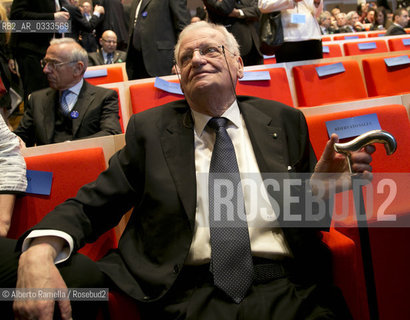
x=356 y=35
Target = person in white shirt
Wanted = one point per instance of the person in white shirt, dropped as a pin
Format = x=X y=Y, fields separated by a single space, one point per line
x=302 y=35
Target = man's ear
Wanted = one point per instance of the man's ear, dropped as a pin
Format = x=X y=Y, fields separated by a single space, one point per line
x=239 y=62
x=79 y=68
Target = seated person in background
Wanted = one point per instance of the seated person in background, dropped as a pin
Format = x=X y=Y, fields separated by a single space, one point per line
x=12 y=175
x=171 y=261
x=108 y=53
x=380 y=20
x=71 y=108
x=342 y=23
x=400 y=21
x=353 y=22
x=325 y=23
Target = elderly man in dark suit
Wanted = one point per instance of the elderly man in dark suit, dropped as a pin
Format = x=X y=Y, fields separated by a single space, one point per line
x=71 y=108
x=108 y=52
x=177 y=259
x=153 y=30
x=241 y=19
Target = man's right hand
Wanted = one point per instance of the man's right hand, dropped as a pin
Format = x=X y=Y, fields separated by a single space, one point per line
x=61 y=16
x=37 y=270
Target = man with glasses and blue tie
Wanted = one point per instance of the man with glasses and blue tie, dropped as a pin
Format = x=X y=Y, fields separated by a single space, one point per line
x=108 y=52
x=71 y=108
x=199 y=244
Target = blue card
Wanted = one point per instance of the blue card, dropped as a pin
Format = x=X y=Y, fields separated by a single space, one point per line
x=297 y=18
x=171 y=87
x=367 y=45
x=330 y=69
x=39 y=182
x=351 y=37
x=381 y=35
x=352 y=127
x=325 y=49
x=255 y=76
x=397 y=61
x=95 y=73
x=406 y=42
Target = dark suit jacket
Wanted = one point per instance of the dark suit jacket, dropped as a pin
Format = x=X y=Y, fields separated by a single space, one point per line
x=97 y=58
x=32 y=10
x=244 y=29
x=80 y=23
x=155 y=173
x=97 y=108
x=161 y=21
x=394 y=30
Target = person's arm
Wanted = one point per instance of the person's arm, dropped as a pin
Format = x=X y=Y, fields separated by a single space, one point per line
x=37 y=270
x=20 y=10
x=266 y=6
x=180 y=14
x=6 y=211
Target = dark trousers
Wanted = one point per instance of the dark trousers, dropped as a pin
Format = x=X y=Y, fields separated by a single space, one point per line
x=299 y=50
x=193 y=295
x=135 y=64
x=31 y=72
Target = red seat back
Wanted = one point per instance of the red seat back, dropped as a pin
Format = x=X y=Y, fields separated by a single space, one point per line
x=354 y=48
x=71 y=170
x=350 y=36
x=382 y=80
x=397 y=44
x=277 y=88
x=313 y=90
x=334 y=50
x=114 y=74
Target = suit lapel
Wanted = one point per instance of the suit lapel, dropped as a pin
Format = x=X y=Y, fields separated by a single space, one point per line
x=84 y=101
x=266 y=137
x=177 y=141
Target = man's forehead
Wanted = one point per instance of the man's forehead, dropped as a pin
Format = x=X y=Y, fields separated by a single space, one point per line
x=202 y=36
x=57 y=51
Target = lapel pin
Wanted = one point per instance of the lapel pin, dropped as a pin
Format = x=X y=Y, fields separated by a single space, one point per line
x=275 y=135
x=74 y=114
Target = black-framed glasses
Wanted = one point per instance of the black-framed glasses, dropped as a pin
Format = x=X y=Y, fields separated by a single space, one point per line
x=109 y=41
x=210 y=52
x=52 y=64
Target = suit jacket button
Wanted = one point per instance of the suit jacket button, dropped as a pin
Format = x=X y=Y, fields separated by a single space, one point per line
x=275 y=135
x=176 y=269
x=146 y=298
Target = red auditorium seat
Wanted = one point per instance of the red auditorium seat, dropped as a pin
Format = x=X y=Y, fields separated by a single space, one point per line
x=71 y=170
x=382 y=80
x=326 y=38
x=349 y=36
x=398 y=43
x=334 y=50
x=114 y=74
x=376 y=34
x=364 y=47
x=388 y=244
x=313 y=90
x=145 y=96
x=277 y=88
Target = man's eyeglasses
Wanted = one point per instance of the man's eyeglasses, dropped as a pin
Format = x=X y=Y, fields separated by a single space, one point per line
x=52 y=64
x=110 y=41
x=210 y=52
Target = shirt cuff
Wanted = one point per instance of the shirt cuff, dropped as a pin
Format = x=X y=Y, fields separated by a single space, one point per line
x=95 y=13
x=241 y=14
x=64 y=254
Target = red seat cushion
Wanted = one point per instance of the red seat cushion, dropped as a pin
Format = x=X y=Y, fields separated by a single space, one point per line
x=353 y=48
x=114 y=74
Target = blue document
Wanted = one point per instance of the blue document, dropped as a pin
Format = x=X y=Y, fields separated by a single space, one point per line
x=39 y=182
x=171 y=87
x=325 y=49
x=352 y=127
x=330 y=69
x=406 y=42
x=95 y=73
x=351 y=37
x=298 y=18
x=397 y=61
x=255 y=76
x=367 y=45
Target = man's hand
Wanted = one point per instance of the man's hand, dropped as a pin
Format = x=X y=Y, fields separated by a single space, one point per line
x=61 y=16
x=37 y=270
x=99 y=9
x=333 y=166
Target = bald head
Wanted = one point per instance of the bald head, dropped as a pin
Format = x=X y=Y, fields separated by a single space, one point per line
x=108 y=41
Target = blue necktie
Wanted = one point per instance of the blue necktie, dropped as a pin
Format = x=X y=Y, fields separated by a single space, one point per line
x=231 y=258
x=64 y=103
x=110 y=58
